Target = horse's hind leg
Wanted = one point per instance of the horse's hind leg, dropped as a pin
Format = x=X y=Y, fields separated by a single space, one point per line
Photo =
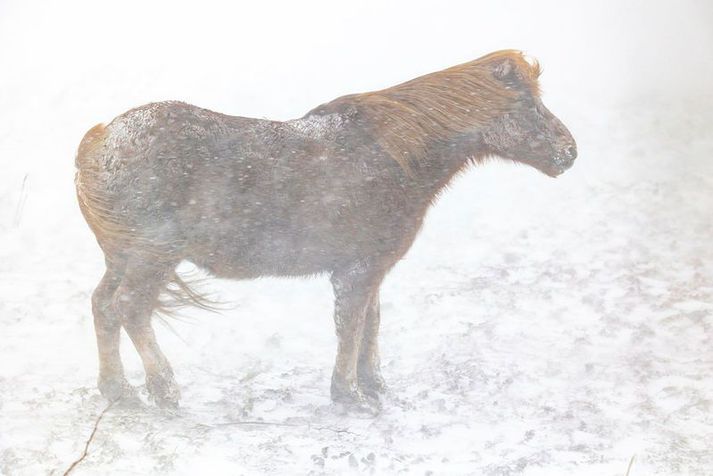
x=135 y=300
x=107 y=326
x=369 y=367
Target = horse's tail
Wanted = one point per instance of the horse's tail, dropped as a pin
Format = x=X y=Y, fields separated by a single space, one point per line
x=90 y=142
x=90 y=183
x=98 y=205
x=180 y=292
x=115 y=235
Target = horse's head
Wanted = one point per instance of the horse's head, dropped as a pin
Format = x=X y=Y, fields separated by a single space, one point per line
x=528 y=132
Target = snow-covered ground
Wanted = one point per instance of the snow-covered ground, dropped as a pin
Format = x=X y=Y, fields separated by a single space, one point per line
x=537 y=326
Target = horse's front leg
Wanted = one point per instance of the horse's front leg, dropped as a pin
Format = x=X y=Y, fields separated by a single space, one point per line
x=369 y=365
x=354 y=291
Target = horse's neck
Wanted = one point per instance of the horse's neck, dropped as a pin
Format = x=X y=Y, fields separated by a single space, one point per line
x=442 y=162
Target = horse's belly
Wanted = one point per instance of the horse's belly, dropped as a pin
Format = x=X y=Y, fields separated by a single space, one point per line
x=268 y=255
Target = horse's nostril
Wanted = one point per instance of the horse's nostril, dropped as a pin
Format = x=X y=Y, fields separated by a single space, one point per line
x=571 y=152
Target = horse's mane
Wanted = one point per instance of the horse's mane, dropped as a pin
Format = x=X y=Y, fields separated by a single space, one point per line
x=437 y=106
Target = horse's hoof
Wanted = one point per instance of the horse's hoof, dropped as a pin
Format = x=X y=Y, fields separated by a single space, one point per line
x=117 y=390
x=359 y=406
x=371 y=405
x=373 y=385
x=352 y=399
x=163 y=390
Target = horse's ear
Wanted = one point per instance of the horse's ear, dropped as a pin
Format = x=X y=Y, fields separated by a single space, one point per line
x=503 y=69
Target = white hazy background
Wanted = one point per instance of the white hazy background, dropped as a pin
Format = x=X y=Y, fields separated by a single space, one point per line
x=517 y=284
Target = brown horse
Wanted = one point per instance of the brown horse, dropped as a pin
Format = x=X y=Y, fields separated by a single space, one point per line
x=341 y=191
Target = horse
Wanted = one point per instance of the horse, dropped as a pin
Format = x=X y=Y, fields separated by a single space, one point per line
x=341 y=191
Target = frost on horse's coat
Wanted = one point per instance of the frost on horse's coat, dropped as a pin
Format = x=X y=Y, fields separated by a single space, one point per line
x=342 y=191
